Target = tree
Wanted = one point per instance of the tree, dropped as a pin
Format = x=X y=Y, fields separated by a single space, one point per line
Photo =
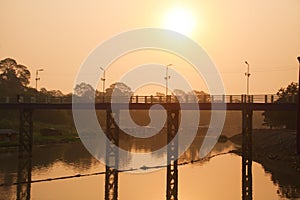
x=201 y=96
x=179 y=94
x=285 y=119
x=53 y=93
x=14 y=77
x=119 y=89
x=84 y=90
x=119 y=92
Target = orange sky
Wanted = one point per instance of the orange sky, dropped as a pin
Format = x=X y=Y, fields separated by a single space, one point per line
x=59 y=35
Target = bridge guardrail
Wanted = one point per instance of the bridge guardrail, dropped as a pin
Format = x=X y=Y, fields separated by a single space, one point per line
x=155 y=99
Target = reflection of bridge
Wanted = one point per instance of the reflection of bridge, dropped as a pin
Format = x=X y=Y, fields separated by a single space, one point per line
x=247 y=104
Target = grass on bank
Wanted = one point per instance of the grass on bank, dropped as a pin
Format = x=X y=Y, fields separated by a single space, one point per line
x=68 y=134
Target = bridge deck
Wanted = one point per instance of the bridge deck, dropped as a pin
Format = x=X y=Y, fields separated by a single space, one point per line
x=145 y=106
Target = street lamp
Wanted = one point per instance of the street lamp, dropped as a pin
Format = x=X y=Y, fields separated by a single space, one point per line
x=247 y=74
x=37 y=78
x=103 y=85
x=167 y=77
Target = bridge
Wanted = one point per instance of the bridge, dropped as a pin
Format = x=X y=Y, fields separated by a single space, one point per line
x=244 y=103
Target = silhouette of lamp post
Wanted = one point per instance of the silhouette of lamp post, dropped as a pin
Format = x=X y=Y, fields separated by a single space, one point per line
x=37 y=78
x=167 y=77
x=103 y=85
x=247 y=74
x=298 y=113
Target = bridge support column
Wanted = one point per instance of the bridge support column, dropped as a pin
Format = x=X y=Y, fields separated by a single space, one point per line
x=25 y=155
x=172 y=168
x=112 y=156
x=247 y=155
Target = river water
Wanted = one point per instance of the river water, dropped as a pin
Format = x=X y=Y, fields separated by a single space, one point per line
x=217 y=177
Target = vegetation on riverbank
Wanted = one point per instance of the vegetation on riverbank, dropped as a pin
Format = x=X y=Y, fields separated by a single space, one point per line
x=276 y=151
x=68 y=134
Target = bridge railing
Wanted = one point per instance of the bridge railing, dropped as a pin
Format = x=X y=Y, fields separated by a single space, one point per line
x=154 y=99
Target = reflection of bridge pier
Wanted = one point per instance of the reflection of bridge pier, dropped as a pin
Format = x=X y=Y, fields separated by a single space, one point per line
x=112 y=156
x=25 y=154
x=247 y=154
x=172 y=154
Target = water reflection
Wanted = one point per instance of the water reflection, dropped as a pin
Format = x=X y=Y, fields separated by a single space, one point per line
x=24 y=177
x=197 y=180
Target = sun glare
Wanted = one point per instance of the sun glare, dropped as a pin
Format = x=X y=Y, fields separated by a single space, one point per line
x=180 y=20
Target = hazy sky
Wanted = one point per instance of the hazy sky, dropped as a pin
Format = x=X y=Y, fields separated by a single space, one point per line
x=59 y=35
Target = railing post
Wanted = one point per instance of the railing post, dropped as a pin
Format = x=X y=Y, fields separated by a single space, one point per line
x=230 y=99
x=168 y=99
x=242 y=98
x=272 y=99
x=293 y=98
x=151 y=98
x=266 y=98
x=145 y=99
x=136 y=99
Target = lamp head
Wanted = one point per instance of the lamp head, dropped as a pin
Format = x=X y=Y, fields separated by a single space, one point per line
x=298 y=59
x=246 y=63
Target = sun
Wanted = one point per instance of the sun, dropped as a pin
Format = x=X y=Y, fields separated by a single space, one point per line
x=180 y=20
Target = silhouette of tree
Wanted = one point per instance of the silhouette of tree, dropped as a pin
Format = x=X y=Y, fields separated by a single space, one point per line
x=53 y=93
x=13 y=77
x=119 y=89
x=285 y=119
x=85 y=91
x=201 y=95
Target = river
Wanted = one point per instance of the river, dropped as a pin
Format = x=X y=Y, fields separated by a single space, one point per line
x=217 y=177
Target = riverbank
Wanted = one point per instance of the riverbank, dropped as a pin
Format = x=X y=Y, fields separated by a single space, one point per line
x=6 y=146
x=275 y=150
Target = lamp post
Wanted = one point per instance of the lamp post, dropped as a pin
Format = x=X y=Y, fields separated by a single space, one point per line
x=298 y=113
x=167 y=77
x=37 y=78
x=247 y=74
x=103 y=85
